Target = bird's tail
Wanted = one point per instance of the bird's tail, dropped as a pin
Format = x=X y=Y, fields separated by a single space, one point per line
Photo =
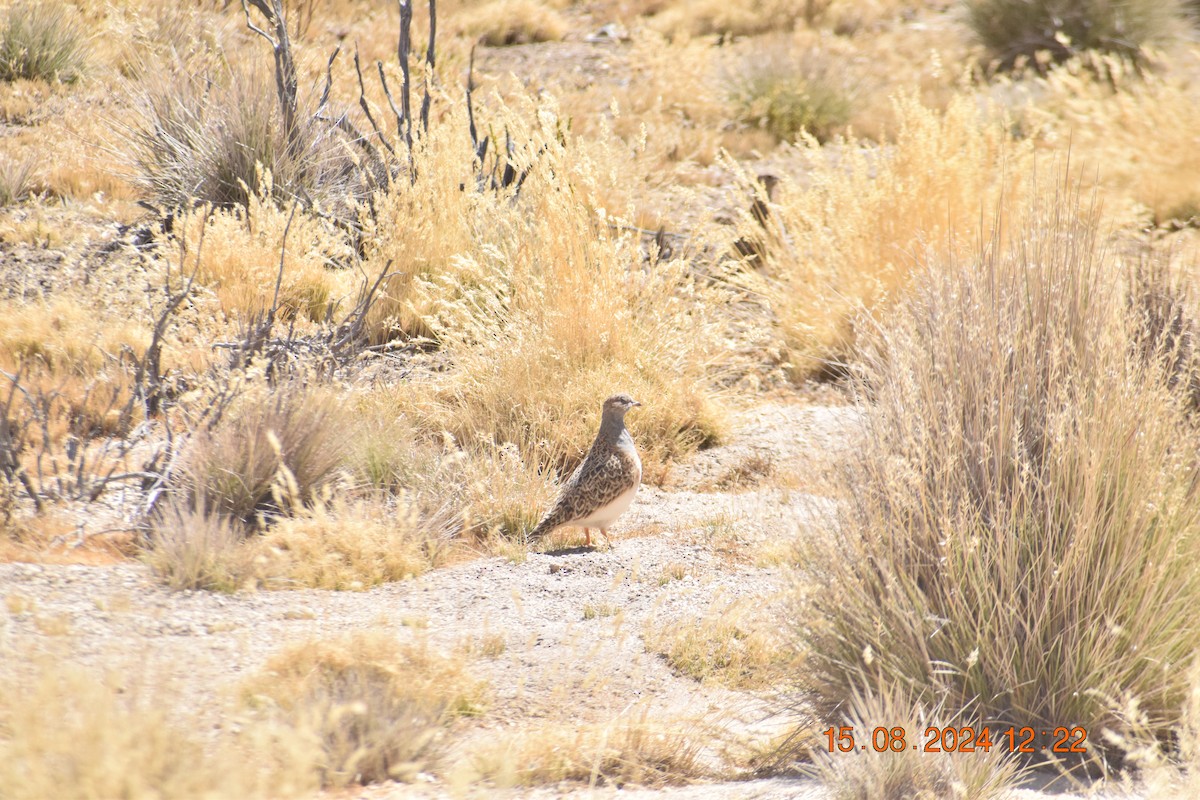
x=539 y=531
x=548 y=523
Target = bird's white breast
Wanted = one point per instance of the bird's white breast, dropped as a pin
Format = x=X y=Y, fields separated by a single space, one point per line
x=606 y=514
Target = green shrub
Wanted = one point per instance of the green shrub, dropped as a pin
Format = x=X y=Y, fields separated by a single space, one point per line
x=1014 y=31
x=41 y=41
x=785 y=92
x=1017 y=535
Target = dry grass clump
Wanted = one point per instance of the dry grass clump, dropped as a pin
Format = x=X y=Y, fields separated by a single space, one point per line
x=148 y=36
x=211 y=133
x=1025 y=496
x=16 y=180
x=786 y=90
x=1044 y=31
x=73 y=360
x=506 y=22
x=376 y=709
x=632 y=750
x=241 y=255
x=271 y=454
x=1167 y=327
x=1134 y=137
x=729 y=646
x=41 y=41
x=66 y=335
x=67 y=732
x=1165 y=769
x=848 y=239
x=191 y=547
x=864 y=774
x=356 y=545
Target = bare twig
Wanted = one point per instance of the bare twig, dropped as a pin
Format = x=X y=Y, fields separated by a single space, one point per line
x=286 y=82
x=366 y=107
x=13 y=441
x=403 y=49
x=429 y=67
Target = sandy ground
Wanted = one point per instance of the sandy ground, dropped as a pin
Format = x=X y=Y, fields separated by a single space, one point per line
x=558 y=665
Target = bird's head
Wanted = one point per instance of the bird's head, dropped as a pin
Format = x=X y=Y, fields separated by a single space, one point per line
x=616 y=406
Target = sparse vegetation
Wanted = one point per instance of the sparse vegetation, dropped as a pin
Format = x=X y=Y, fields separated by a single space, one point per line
x=193 y=547
x=217 y=137
x=904 y=772
x=729 y=646
x=847 y=241
x=635 y=751
x=270 y=455
x=16 y=180
x=70 y=734
x=280 y=308
x=341 y=546
x=731 y=19
x=506 y=22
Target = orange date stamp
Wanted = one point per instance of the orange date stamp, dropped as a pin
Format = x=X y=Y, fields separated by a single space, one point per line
x=950 y=739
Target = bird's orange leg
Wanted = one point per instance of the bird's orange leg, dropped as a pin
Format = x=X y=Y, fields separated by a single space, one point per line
x=587 y=532
x=607 y=538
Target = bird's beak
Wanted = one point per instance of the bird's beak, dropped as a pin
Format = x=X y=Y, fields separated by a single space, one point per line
x=636 y=403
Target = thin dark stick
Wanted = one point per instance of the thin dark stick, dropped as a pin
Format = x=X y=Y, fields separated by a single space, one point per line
x=429 y=65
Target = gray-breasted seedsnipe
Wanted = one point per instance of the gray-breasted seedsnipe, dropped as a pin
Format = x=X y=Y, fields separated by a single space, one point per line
x=603 y=486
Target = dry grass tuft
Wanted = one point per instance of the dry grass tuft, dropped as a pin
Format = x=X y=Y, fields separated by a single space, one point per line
x=1134 y=138
x=500 y=23
x=16 y=180
x=70 y=734
x=355 y=545
x=1025 y=495
x=191 y=547
x=904 y=772
x=633 y=751
x=786 y=91
x=212 y=133
x=269 y=455
x=41 y=41
x=708 y=17
x=69 y=334
x=376 y=708
x=730 y=646
x=244 y=247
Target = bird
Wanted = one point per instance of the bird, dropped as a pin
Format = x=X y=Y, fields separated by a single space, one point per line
x=603 y=486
